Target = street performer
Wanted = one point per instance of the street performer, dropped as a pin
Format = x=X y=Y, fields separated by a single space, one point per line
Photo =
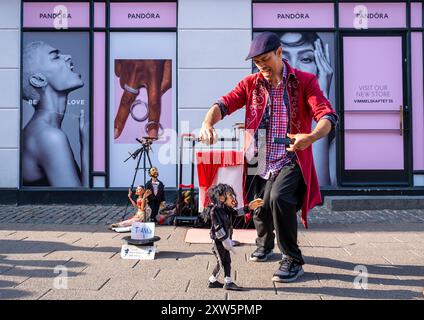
x=280 y=103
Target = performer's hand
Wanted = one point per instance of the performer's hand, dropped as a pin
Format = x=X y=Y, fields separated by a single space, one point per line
x=325 y=71
x=129 y=193
x=207 y=134
x=254 y=204
x=302 y=141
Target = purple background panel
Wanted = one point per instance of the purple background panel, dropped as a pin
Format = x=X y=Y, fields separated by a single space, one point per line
x=80 y=14
x=374 y=120
x=396 y=14
x=99 y=102
x=416 y=15
x=268 y=15
x=99 y=15
x=121 y=14
x=385 y=151
x=364 y=66
x=417 y=100
x=367 y=74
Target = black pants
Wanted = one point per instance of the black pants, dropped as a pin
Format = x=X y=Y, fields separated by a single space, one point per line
x=223 y=259
x=282 y=197
x=154 y=205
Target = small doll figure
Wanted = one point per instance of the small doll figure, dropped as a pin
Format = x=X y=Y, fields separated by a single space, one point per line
x=224 y=202
x=166 y=213
x=141 y=205
x=158 y=192
x=186 y=205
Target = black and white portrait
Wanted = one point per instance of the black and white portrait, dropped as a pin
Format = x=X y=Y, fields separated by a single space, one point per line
x=55 y=112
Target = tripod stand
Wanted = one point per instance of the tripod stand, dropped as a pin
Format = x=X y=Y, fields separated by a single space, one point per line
x=142 y=152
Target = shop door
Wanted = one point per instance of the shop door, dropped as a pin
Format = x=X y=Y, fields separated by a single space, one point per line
x=375 y=125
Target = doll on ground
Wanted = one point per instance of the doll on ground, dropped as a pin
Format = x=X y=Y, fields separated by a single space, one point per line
x=224 y=202
x=166 y=213
x=143 y=210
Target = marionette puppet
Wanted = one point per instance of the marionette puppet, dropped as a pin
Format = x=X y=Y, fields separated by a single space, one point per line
x=221 y=213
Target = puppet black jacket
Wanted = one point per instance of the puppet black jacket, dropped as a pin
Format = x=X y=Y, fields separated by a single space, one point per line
x=222 y=221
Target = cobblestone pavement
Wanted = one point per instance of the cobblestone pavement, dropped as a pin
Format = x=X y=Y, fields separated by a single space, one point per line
x=72 y=214
x=39 y=244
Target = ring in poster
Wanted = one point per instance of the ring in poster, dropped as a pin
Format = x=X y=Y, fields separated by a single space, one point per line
x=142 y=98
x=55 y=110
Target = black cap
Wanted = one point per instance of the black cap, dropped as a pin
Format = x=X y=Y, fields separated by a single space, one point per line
x=263 y=43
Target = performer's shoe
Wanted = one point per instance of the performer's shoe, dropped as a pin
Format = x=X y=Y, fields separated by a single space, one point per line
x=232 y=286
x=215 y=284
x=261 y=254
x=288 y=271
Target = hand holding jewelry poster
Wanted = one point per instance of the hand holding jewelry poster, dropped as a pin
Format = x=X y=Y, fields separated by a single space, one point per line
x=142 y=92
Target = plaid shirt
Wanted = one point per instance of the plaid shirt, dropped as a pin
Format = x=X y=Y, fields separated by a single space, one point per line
x=274 y=124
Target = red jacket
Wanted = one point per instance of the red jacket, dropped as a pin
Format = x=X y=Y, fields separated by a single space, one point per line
x=306 y=102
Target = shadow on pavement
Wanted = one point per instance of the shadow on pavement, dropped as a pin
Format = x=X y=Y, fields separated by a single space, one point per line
x=6 y=293
x=40 y=268
x=34 y=246
x=347 y=289
x=178 y=255
x=345 y=293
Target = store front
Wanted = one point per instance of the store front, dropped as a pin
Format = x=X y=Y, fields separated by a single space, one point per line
x=367 y=56
x=112 y=47
x=368 y=59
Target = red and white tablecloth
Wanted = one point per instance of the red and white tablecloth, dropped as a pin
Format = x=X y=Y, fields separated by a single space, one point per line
x=219 y=166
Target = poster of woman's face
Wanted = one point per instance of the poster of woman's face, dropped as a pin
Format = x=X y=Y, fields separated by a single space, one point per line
x=55 y=109
x=314 y=53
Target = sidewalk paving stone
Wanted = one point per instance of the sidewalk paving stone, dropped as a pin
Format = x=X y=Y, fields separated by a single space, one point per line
x=335 y=243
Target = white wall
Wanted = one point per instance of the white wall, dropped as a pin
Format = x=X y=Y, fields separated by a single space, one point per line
x=213 y=40
x=9 y=93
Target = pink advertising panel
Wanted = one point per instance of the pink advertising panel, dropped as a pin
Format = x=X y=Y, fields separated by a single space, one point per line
x=384 y=152
x=371 y=82
x=361 y=15
x=373 y=96
x=99 y=102
x=140 y=110
x=142 y=103
x=58 y=15
x=143 y=15
x=290 y=15
x=416 y=15
x=376 y=121
x=99 y=15
x=417 y=100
